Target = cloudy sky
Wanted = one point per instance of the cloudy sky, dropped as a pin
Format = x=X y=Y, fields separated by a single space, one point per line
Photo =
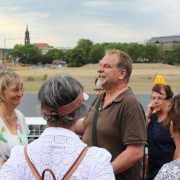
x=61 y=23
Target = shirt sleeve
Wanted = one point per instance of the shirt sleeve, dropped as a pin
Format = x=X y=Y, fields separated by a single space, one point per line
x=103 y=168
x=133 y=125
x=168 y=172
x=8 y=171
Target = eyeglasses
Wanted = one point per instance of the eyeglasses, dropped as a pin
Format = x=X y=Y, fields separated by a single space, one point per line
x=98 y=89
x=16 y=90
x=153 y=98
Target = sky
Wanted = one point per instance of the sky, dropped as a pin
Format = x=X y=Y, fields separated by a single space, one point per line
x=61 y=23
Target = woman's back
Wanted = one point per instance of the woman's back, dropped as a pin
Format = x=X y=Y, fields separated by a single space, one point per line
x=58 y=149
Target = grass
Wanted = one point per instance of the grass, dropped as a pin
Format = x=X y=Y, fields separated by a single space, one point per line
x=141 y=81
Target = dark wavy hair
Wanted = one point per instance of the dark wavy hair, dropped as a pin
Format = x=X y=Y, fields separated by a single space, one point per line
x=158 y=87
x=174 y=114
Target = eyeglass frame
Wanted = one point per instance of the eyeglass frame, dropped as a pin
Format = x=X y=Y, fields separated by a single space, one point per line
x=98 y=89
x=158 y=99
x=15 y=90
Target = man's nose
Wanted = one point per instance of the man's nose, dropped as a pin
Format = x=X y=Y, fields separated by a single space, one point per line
x=100 y=69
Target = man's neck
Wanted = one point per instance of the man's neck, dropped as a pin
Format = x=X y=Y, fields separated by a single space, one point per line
x=116 y=91
x=113 y=94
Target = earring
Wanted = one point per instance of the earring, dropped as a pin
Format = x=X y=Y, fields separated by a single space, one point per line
x=172 y=135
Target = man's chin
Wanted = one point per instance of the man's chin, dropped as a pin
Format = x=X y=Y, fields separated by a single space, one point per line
x=102 y=81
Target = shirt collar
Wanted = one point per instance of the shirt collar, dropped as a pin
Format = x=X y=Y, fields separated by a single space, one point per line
x=59 y=131
x=120 y=97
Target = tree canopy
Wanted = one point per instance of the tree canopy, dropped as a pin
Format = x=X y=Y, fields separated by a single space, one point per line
x=87 y=52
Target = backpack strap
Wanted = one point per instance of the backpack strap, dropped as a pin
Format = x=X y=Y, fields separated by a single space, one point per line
x=66 y=176
x=33 y=169
x=76 y=164
x=50 y=171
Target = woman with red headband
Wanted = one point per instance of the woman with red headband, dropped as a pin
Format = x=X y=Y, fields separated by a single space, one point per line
x=61 y=100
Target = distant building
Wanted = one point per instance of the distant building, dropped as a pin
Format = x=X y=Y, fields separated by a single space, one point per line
x=27 y=38
x=45 y=50
x=41 y=45
x=165 y=42
x=4 y=56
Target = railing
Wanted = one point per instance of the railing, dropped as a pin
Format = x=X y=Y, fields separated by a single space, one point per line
x=36 y=126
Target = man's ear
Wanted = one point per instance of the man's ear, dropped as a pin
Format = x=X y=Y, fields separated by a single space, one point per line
x=122 y=74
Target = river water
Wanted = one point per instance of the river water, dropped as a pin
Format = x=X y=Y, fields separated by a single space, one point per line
x=29 y=104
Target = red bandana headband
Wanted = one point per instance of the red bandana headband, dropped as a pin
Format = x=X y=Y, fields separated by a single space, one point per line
x=66 y=109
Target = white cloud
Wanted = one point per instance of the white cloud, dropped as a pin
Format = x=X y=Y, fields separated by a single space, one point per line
x=63 y=23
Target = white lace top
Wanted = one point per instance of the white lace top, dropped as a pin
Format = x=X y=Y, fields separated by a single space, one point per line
x=169 y=171
x=8 y=140
x=57 y=149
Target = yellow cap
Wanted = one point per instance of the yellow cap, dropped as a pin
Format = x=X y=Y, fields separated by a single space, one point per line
x=159 y=79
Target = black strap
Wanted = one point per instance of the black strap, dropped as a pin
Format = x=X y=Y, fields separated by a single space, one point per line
x=94 y=130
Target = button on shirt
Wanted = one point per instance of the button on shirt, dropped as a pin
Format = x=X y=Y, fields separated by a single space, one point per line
x=58 y=149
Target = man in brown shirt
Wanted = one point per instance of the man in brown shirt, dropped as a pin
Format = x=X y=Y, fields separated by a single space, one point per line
x=120 y=123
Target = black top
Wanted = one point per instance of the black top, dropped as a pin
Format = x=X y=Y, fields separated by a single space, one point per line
x=160 y=146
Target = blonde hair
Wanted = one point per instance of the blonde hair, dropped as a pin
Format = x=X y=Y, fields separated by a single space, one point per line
x=7 y=77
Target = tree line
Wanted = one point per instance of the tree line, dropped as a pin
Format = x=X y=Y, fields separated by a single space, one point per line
x=86 y=52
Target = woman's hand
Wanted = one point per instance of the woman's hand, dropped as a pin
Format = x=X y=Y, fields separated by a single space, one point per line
x=150 y=109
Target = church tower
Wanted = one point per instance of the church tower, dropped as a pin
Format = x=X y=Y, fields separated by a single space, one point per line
x=27 y=38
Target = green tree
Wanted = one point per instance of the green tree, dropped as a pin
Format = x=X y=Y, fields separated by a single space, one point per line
x=85 y=45
x=76 y=57
x=27 y=54
x=17 y=52
x=119 y=46
x=32 y=54
x=135 y=50
x=54 y=54
x=152 y=52
x=96 y=53
x=169 y=57
x=177 y=53
x=47 y=59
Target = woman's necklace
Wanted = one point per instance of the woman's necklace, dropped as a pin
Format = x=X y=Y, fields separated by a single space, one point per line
x=9 y=120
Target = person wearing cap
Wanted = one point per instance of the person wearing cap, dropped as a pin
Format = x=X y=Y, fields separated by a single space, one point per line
x=61 y=103
x=118 y=121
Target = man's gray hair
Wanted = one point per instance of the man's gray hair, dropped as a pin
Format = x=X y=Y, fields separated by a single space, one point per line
x=57 y=92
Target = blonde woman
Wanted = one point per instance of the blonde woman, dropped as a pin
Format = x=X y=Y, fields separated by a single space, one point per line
x=13 y=129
